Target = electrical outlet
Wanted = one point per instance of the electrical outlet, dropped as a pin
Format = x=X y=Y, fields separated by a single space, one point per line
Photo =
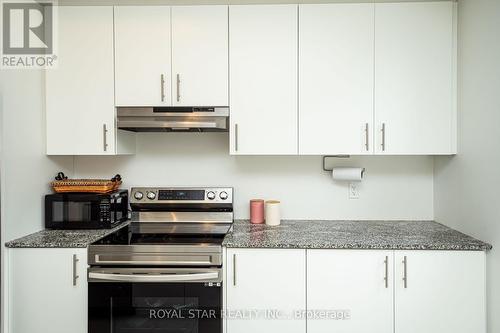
x=354 y=190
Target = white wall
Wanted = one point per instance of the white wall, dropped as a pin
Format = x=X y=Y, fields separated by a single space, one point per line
x=466 y=186
x=25 y=169
x=394 y=187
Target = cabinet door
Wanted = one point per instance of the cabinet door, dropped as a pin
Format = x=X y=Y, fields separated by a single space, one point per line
x=263 y=69
x=414 y=78
x=336 y=79
x=268 y=281
x=142 y=56
x=200 y=55
x=444 y=292
x=43 y=294
x=350 y=285
x=79 y=91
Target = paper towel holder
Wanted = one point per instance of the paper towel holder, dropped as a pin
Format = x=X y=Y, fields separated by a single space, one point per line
x=332 y=156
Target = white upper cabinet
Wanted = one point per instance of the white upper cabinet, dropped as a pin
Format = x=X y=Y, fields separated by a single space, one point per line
x=415 y=92
x=446 y=289
x=336 y=79
x=80 y=95
x=272 y=280
x=142 y=56
x=358 y=284
x=200 y=55
x=313 y=79
x=263 y=70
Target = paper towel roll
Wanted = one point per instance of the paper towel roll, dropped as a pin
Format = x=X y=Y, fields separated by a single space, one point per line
x=348 y=174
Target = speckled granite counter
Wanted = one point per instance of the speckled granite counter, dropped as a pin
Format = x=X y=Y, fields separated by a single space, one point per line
x=397 y=235
x=62 y=238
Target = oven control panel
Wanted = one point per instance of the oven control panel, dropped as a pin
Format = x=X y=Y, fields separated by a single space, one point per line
x=181 y=195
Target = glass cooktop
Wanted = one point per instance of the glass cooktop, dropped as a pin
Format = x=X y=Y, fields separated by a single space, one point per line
x=154 y=234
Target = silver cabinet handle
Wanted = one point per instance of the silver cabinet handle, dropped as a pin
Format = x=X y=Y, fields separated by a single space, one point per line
x=104 y=137
x=386 y=274
x=235 y=137
x=367 y=137
x=178 y=87
x=162 y=86
x=234 y=269
x=405 y=272
x=383 y=136
x=75 y=273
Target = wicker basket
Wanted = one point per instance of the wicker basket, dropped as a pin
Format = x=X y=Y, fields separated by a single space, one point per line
x=64 y=185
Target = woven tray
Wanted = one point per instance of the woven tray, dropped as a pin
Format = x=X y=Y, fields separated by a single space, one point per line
x=64 y=185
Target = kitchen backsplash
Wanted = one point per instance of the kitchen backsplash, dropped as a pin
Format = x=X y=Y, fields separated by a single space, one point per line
x=393 y=188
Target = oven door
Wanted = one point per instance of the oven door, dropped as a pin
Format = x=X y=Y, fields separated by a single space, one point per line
x=145 y=300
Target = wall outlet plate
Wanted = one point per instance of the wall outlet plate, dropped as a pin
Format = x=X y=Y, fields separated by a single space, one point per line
x=354 y=190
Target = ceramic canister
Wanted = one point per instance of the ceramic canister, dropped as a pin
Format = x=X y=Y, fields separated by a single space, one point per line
x=257 y=211
x=273 y=216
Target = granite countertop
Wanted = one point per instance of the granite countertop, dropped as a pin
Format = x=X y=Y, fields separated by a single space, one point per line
x=305 y=234
x=394 y=235
x=62 y=238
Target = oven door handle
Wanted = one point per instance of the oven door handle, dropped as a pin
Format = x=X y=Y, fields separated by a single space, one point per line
x=179 y=262
x=154 y=277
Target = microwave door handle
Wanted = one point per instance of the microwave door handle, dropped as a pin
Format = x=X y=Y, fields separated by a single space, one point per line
x=154 y=277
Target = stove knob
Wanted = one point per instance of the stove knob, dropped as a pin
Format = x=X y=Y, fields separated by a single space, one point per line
x=138 y=195
x=223 y=195
x=211 y=195
x=151 y=195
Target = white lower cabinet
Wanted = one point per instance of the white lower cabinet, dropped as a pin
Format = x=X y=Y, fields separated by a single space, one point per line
x=267 y=285
x=352 y=287
x=440 y=292
x=47 y=290
x=357 y=291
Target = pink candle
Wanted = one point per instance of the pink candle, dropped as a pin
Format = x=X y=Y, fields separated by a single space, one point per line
x=257 y=211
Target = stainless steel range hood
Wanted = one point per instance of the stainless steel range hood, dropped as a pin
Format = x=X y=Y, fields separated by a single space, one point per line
x=168 y=119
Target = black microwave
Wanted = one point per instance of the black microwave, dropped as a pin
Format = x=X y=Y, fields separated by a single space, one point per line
x=85 y=210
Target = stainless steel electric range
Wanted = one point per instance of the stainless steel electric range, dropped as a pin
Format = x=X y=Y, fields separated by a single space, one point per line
x=163 y=272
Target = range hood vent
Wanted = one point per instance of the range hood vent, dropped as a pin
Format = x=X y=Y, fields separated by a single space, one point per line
x=173 y=119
